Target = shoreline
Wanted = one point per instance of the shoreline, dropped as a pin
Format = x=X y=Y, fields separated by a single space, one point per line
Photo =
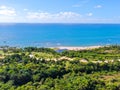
x=66 y=47
x=77 y=47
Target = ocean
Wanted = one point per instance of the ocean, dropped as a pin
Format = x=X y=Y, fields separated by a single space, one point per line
x=55 y=35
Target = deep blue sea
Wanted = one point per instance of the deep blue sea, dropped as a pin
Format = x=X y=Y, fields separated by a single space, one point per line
x=52 y=35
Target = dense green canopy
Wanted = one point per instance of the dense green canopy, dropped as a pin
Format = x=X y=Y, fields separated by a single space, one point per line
x=19 y=71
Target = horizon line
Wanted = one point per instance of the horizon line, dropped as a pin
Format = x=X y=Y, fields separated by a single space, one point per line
x=50 y=23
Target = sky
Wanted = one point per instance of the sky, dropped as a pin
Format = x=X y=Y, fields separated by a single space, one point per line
x=60 y=11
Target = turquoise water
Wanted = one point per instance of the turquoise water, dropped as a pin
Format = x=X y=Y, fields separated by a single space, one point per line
x=51 y=35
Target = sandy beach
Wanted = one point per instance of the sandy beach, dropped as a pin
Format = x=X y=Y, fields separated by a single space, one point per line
x=78 y=48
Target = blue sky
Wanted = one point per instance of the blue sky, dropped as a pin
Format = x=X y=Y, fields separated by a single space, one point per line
x=60 y=11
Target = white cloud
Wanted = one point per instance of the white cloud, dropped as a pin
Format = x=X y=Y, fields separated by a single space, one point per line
x=55 y=17
x=3 y=7
x=90 y=14
x=67 y=15
x=7 y=11
x=37 y=15
x=25 y=9
x=98 y=6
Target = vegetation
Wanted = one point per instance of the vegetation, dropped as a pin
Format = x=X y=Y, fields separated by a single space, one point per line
x=34 y=68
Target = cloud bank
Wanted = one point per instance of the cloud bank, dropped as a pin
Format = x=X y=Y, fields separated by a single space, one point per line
x=7 y=11
x=60 y=16
x=10 y=14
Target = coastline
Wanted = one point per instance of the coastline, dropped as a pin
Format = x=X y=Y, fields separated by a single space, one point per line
x=77 y=47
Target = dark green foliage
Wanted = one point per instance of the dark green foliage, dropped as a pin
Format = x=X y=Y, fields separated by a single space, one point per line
x=35 y=49
x=20 y=72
